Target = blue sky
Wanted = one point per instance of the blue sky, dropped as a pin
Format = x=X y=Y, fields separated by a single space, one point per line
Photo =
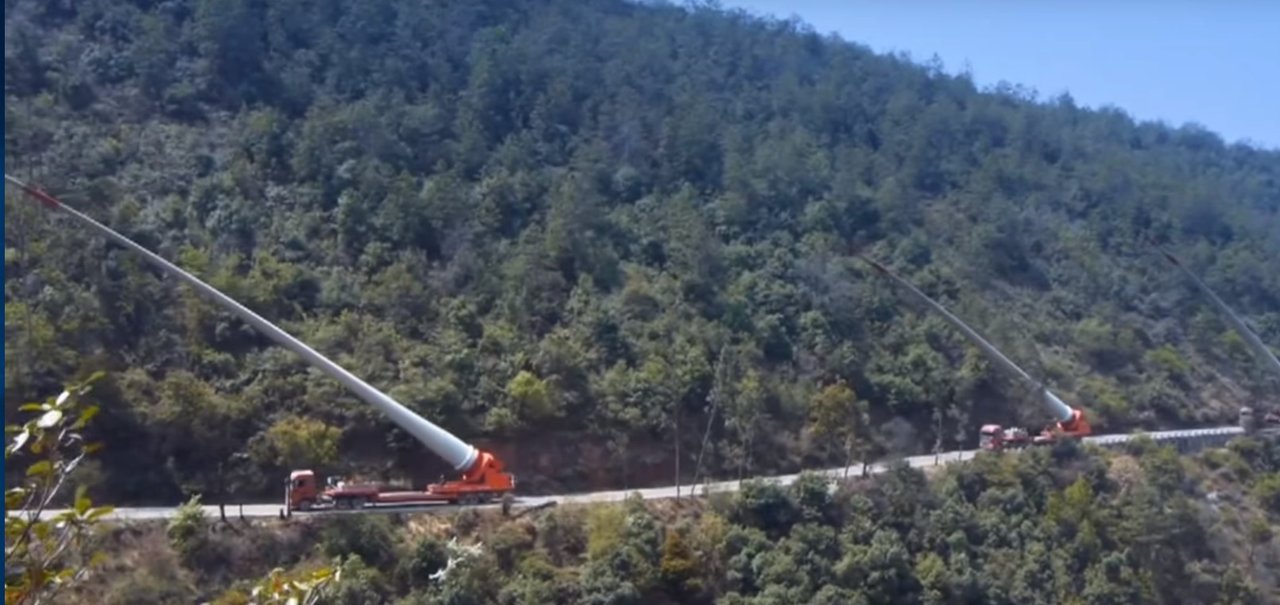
x=1213 y=63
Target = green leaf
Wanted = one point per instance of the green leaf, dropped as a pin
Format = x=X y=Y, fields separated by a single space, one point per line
x=83 y=504
x=14 y=525
x=33 y=407
x=100 y=512
x=85 y=417
x=43 y=467
x=13 y=498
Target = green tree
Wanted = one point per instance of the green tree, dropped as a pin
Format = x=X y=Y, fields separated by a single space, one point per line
x=1259 y=534
x=604 y=525
x=1236 y=588
x=296 y=442
x=932 y=571
x=1267 y=492
x=744 y=414
x=531 y=396
x=837 y=414
x=678 y=569
x=197 y=428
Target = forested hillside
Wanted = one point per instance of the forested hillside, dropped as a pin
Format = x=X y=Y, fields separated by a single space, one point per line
x=588 y=233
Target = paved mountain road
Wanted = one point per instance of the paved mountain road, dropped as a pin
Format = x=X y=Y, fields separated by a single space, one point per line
x=1209 y=435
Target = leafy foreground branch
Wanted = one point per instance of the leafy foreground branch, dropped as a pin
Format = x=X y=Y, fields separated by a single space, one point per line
x=48 y=554
x=44 y=555
x=304 y=589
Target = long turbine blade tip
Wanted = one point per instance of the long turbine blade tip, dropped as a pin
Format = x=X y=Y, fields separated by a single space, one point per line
x=35 y=192
x=875 y=265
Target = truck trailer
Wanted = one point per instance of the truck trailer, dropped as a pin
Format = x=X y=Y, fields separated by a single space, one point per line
x=303 y=493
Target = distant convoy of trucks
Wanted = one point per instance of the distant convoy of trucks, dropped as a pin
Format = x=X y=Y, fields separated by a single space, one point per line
x=1248 y=420
x=1070 y=422
x=483 y=477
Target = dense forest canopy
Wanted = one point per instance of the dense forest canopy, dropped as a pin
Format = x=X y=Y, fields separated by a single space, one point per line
x=588 y=233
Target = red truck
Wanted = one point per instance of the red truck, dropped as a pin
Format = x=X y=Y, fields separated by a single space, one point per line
x=483 y=477
x=485 y=483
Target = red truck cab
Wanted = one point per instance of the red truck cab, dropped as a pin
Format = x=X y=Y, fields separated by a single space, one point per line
x=301 y=491
x=304 y=493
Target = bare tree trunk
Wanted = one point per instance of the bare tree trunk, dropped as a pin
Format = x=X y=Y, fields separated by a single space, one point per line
x=220 y=486
x=677 y=426
x=848 y=454
x=706 y=435
x=714 y=399
x=937 y=433
x=745 y=463
x=863 y=452
x=626 y=462
x=222 y=511
x=744 y=442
